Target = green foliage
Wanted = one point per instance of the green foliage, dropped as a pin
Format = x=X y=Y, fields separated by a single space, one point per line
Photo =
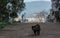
x=16 y=4
x=3 y=3
x=3 y=13
x=57 y=16
x=13 y=15
x=3 y=24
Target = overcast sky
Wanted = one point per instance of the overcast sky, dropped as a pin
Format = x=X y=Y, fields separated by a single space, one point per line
x=35 y=0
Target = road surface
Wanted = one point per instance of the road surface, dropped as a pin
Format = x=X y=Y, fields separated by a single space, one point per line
x=50 y=30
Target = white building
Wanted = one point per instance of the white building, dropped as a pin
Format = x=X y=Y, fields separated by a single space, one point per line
x=35 y=20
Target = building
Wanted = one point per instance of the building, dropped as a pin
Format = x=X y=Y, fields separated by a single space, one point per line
x=35 y=20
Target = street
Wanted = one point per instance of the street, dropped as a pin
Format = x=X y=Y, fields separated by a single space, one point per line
x=50 y=30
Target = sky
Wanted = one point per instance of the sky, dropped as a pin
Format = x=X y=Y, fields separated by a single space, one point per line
x=35 y=7
x=35 y=0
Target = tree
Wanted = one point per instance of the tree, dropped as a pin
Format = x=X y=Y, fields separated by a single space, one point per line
x=51 y=17
x=57 y=16
x=10 y=8
x=23 y=17
x=3 y=10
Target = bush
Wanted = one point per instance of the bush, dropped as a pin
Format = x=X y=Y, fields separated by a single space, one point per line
x=3 y=24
